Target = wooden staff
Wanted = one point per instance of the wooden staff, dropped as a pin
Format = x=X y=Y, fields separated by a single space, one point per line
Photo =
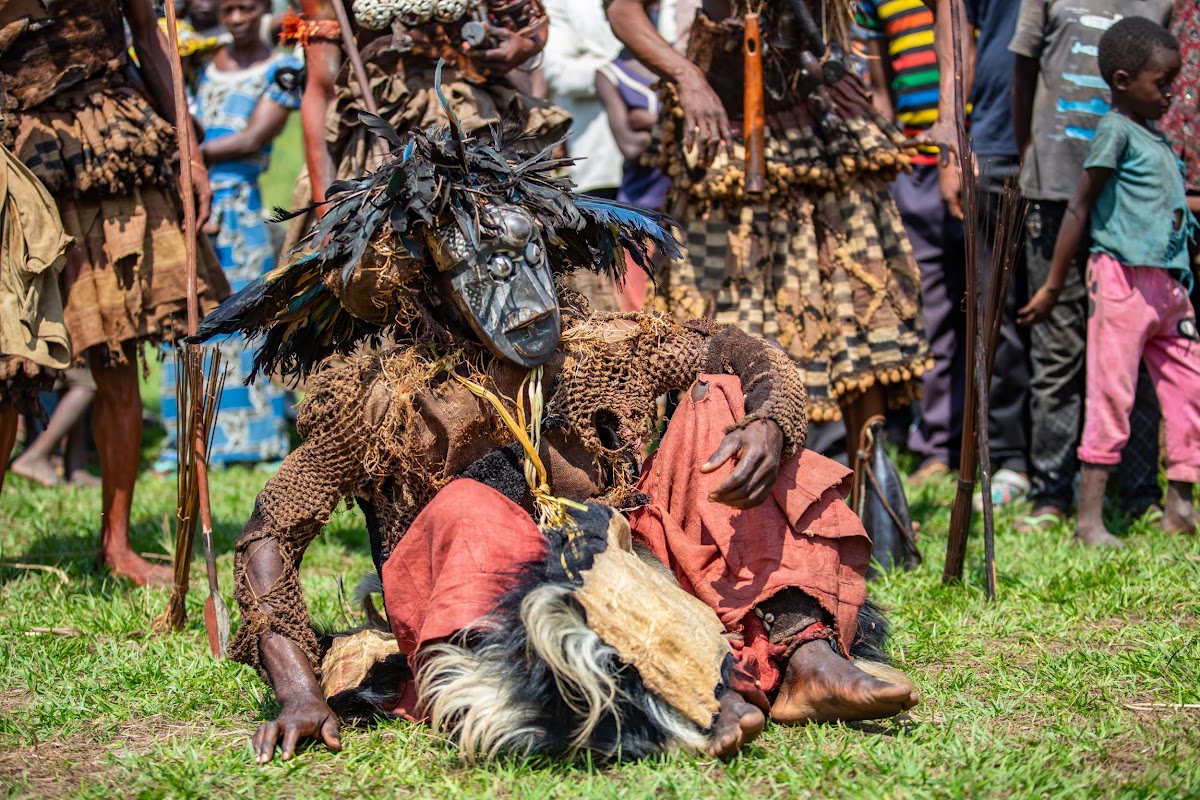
x=216 y=614
x=975 y=449
x=356 y=65
x=753 y=110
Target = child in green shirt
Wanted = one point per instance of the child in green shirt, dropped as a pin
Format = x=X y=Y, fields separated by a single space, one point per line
x=1132 y=196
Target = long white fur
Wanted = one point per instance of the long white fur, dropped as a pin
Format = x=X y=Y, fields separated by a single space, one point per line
x=468 y=694
x=578 y=659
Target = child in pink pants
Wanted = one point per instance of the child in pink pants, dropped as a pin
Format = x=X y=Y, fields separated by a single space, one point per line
x=1132 y=196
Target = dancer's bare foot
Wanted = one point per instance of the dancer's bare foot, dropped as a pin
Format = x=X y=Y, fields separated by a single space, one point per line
x=81 y=477
x=738 y=724
x=1179 y=513
x=1092 y=533
x=821 y=686
x=131 y=566
x=33 y=468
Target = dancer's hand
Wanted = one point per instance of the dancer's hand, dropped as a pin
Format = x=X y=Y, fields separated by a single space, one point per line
x=511 y=50
x=705 y=121
x=307 y=717
x=943 y=136
x=758 y=449
x=204 y=196
x=1039 y=306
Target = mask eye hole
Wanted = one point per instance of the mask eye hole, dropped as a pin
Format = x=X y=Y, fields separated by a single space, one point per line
x=501 y=267
x=533 y=254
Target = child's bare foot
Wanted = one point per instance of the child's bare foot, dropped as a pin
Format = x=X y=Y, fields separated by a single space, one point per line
x=821 y=686
x=129 y=565
x=1093 y=534
x=1089 y=529
x=1179 y=513
x=738 y=724
x=33 y=468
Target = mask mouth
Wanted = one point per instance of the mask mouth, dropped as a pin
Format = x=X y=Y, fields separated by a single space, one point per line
x=523 y=318
x=531 y=333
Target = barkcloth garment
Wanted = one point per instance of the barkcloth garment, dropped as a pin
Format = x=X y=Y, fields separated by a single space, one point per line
x=86 y=129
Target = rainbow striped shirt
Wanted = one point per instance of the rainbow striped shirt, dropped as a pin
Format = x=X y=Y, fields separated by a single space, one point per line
x=907 y=27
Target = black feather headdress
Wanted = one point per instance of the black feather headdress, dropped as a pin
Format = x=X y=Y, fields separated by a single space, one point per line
x=433 y=179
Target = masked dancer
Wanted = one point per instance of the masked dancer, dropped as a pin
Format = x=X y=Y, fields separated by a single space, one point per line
x=490 y=48
x=780 y=169
x=493 y=438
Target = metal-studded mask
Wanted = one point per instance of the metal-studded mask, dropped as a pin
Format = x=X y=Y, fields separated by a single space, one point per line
x=503 y=285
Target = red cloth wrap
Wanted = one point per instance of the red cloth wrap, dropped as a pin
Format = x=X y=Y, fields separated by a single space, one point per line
x=452 y=565
x=803 y=536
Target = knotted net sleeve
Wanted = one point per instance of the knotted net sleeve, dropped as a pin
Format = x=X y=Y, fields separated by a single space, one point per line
x=288 y=514
x=773 y=386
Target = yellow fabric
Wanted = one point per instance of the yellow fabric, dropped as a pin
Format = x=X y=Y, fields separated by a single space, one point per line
x=32 y=254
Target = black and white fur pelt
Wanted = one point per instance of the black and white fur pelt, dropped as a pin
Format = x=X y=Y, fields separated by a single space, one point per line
x=536 y=680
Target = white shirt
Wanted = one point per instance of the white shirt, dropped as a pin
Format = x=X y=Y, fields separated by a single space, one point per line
x=579 y=43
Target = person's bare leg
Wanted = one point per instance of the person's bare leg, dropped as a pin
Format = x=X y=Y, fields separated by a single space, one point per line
x=75 y=456
x=1090 y=528
x=738 y=724
x=34 y=461
x=821 y=686
x=856 y=415
x=1180 y=515
x=118 y=432
x=10 y=420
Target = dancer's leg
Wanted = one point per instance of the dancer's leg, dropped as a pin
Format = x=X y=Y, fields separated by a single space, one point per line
x=118 y=431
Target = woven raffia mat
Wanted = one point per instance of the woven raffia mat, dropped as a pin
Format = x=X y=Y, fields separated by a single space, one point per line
x=350 y=657
x=675 y=641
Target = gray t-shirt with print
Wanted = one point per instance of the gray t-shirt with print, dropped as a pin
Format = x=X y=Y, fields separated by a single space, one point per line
x=1071 y=98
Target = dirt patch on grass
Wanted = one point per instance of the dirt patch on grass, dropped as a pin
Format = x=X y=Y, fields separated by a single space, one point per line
x=60 y=767
x=12 y=700
x=52 y=769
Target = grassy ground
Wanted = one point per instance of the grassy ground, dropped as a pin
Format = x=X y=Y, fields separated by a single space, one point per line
x=287 y=158
x=1077 y=682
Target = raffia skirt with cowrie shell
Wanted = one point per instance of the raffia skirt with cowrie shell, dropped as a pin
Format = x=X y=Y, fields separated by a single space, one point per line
x=403 y=87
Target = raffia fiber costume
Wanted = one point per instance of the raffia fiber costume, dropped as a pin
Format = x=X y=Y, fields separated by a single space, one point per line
x=82 y=123
x=400 y=60
x=413 y=433
x=820 y=263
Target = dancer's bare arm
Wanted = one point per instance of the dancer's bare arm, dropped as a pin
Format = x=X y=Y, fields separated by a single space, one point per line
x=775 y=420
x=155 y=60
x=944 y=133
x=775 y=423
x=322 y=60
x=707 y=124
x=303 y=712
x=276 y=633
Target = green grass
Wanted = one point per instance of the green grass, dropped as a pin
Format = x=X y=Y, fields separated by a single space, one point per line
x=1043 y=693
x=287 y=158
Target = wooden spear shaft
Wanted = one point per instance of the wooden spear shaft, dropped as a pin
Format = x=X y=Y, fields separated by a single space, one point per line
x=357 y=66
x=216 y=616
x=753 y=111
x=960 y=512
